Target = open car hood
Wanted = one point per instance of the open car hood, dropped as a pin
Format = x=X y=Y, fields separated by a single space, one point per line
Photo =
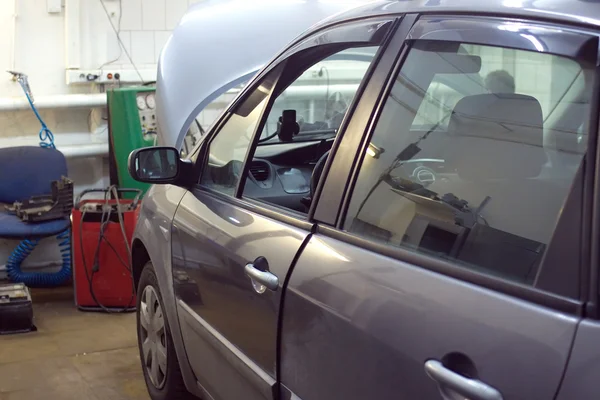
x=221 y=44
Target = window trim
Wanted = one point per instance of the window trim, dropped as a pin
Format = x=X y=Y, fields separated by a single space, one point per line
x=430 y=263
x=591 y=211
x=529 y=293
x=264 y=208
x=342 y=160
x=278 y=90
x=261 y=208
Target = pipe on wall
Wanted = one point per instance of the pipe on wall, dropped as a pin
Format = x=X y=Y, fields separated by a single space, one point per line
x=85 y=150
x=55 y=101
x=72 y=145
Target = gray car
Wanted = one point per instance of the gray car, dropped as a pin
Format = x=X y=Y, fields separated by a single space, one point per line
x=403 y=204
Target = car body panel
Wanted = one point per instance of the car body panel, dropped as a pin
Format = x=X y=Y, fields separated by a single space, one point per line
x=580 y=12
x=381 y=319
x=225 y=43
x=153 y=232
x=349 y=311
x=581 y=377
x=179 y=99
x=212 y=242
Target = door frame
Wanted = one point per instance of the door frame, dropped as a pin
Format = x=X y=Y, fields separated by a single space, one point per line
x=242 y=363
x=580 y=43
x=312 y=39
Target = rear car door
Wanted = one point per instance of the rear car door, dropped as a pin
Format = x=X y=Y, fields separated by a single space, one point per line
x=453 y=267
x=236 y=234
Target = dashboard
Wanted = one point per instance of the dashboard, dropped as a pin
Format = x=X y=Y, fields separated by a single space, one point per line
x=284 y=185
x=281 y=173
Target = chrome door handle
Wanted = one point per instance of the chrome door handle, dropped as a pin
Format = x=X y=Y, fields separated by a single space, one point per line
x=447 y=379
x=266 y=278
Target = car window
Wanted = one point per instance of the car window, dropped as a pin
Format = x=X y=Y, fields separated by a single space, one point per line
x=317 y=100
x=474 y=155
x=311 y=99
x=228 y=149
x=206 y=117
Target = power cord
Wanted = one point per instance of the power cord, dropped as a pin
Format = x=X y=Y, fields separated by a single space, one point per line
x=104 y=221
x=118 y=32
x=120 y=41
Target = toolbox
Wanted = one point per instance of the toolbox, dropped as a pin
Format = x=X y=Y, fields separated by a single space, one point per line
x=16 y=309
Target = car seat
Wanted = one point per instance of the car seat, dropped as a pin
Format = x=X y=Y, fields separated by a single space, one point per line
x=496 y=148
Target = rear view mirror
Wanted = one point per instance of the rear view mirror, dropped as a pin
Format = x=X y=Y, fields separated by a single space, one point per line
x=154 y=164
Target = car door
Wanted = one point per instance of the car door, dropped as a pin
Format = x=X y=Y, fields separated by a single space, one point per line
x=237 y=233
x=453 y=267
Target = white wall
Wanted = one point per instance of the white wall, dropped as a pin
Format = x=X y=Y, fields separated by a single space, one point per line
x=39 y=44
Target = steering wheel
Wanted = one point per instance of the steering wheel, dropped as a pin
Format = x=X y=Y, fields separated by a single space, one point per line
x=314 y=179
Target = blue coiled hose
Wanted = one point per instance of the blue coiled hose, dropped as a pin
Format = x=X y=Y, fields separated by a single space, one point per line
x=39 y=279
x=24 y=249
x=46 y=136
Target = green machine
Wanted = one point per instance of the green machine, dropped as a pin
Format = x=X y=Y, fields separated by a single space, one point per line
x=131 y=125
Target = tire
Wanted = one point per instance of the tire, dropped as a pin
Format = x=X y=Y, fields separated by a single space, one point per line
x=163 y=379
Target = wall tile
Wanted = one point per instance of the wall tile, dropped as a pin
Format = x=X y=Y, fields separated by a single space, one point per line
x=153 y=15
x=131 y=18
x=142 y=47
x=160 y=39
x=174 y=12
x=113 y=47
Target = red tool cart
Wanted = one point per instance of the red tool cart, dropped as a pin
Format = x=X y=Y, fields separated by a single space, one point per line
x=102 y=233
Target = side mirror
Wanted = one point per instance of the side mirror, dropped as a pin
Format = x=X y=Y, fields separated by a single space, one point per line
x=155 y=165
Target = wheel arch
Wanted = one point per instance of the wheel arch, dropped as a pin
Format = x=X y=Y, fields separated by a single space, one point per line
x=139 y=258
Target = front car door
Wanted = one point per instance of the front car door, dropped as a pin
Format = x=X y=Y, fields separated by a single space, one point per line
x=236 y=234
x=453 y=267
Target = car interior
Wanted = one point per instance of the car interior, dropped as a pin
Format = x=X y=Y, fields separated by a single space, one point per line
x=292 y=147
x=457 y=187
x=486 y=171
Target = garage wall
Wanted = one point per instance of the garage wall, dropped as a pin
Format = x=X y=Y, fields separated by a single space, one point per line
x=36 y=38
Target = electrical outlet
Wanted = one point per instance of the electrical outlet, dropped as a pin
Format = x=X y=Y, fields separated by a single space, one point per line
x=107 y=76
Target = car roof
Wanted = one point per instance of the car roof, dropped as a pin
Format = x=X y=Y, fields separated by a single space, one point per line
x=219 y=44
x=586 y=12
x=263 y=27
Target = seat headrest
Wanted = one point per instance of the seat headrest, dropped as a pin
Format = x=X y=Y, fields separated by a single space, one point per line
x=496 y=136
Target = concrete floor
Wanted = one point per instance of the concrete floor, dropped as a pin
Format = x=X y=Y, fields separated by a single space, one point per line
x=73 y=355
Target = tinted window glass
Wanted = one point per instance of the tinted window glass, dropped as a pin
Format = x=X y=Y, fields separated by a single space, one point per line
x=474 y=155
x=206 y=117
x=320 y=96
x=312 y=98
x=229 y=147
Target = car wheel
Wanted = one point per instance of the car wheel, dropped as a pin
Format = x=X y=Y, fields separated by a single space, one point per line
x=157 y=353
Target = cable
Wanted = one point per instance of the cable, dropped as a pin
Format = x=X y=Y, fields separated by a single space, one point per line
x=121 y=42
x=118 y=35
x=46 y=136
x=104 y=221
